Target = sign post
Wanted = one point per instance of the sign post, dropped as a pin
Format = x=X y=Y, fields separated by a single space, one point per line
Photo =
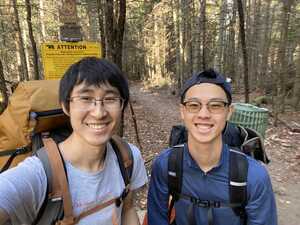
x=70 y=30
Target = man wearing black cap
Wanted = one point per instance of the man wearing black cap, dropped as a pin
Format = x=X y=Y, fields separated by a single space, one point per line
x=204 y=197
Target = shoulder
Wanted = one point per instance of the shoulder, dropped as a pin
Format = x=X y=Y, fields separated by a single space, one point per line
x=135 y=151
x=259 y=181
x=29 y=166
x=160 y=162
x=257 y=171
x=139 y=174
x=163 y=156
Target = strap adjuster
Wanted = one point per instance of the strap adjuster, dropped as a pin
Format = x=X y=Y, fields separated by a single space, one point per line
x=121 y=198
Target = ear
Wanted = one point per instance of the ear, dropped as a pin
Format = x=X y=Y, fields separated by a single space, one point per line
x=64 y=109
x=231 y=110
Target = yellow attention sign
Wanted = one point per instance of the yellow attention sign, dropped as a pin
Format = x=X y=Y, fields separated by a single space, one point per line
x=58 y=56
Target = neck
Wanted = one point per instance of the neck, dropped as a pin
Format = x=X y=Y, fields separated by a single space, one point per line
x=84 y=157
x=206 y=155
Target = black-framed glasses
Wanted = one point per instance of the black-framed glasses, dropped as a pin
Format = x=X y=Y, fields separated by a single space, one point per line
x=88 y=102
x=213 y=106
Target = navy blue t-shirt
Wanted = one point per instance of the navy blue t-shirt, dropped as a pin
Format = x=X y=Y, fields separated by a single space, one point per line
x=213 y=185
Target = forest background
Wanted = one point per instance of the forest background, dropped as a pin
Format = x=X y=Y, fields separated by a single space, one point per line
x=161 y=43
x=255 y=42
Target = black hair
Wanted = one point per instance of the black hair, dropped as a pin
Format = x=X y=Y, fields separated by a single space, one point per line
x=92 y=71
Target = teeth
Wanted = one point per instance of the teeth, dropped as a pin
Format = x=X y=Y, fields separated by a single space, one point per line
x=96 y=126
x=205 y=126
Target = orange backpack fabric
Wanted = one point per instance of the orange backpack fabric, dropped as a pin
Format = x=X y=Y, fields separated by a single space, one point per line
x=16 y=125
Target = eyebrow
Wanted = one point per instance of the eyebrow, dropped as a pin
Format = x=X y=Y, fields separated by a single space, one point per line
x=88 y=90
x=210 y=100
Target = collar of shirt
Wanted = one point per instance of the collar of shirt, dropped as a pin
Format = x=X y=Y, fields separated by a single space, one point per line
x=192 y=163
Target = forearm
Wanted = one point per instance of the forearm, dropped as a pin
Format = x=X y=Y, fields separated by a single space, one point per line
x=3 y=217
x=130 y=217
x=129 y=214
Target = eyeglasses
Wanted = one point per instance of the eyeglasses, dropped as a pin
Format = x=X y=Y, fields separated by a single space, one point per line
x=214 y=107
x=87 y=102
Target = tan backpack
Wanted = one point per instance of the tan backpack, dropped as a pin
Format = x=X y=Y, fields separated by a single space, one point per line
x=32 y=108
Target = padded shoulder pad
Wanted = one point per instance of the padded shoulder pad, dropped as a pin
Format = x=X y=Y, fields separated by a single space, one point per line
x=175 y=164
x=42 y=155
x=238 y=172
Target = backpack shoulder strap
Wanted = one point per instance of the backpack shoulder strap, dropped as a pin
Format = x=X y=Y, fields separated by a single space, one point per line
x=60 y=187
x=51 y=209
x=238 y=171
x=175 y=162
x=125 y=158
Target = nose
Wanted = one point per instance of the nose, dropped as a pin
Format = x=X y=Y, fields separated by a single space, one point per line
x=204 y=112
x=98 y=110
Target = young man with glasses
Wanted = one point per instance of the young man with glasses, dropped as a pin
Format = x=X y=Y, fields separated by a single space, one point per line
x=93 y=93
x=205 y=107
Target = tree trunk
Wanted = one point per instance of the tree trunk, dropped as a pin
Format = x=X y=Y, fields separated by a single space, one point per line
x=282 y=57
x=33 y=43
x=296 y=97
x=244 y=48
x=41 y=20
x=221 y=41
x=101 y=18
x=92 y=15
x=120 y=33
x=255 y=42
x=203 y=29
x=3 y=89
x=24 y=73
x=230 y=54
x=175 y=14
x=110 y=31
x=266 y=43
x=196 y=37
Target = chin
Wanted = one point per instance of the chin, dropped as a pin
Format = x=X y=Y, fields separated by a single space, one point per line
x=204 y=138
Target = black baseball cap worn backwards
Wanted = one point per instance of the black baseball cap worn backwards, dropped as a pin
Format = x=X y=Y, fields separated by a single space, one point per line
x=208 y=76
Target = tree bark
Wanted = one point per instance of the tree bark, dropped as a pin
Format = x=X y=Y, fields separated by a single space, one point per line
x=266 y=43
x=101 y=19
x=32 y=40
x=230 y=54
x=282 y=56
x=3 y=89
x=92 y=15
x=175 y=15
x=244 y=48
x=120 y=33
x=296 y=100
x=110 y=31
x=24 y=73
x=221 y=41
x=203 y=29
x=41 y=20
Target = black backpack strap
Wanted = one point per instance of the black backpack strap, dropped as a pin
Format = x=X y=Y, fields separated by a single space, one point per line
x=13 y=154
x=238 y=171
x=175 y=164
